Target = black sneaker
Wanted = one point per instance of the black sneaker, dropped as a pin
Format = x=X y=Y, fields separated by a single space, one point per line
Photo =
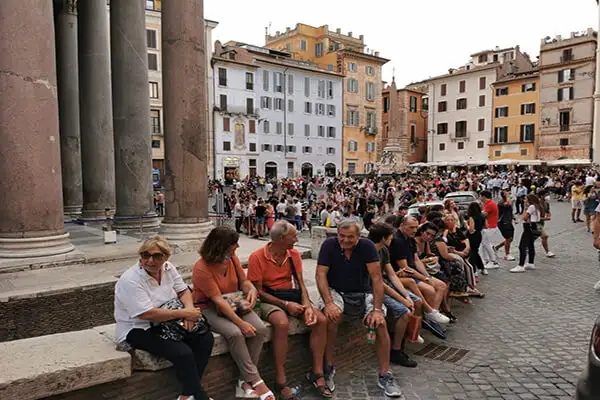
x=399 y=357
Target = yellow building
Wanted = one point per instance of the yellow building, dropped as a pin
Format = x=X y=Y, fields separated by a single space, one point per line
x=516 y=116
x=361 y=67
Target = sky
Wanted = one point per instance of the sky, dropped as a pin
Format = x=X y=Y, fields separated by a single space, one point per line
x=421 y=38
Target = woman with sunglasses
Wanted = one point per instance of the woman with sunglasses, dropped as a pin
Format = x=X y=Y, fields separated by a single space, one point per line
x=139 y=294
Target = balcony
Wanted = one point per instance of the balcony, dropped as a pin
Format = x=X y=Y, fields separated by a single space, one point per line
x=369 y=130
x=457 y=136
x=566 y=58
x=238 y=110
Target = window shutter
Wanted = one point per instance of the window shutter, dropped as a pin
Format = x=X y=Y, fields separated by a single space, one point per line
x=560 y=95
x=533 y=108
x=571 y=93
x=522 y=109
x=266 y=81
x=560 y=76
x=522 y=133
x=497 y=112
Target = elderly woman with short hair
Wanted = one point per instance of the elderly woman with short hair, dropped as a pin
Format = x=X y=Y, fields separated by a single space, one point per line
x=139 y=294
x=227 y=298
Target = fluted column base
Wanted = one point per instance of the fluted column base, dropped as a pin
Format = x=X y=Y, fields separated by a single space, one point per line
x=35 y=246
x=185 y=237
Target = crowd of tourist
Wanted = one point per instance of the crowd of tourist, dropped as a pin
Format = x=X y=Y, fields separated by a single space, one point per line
x=399 y=259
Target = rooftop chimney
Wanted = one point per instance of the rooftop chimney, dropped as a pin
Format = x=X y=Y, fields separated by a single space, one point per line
x=350 y=34
x=338 y=30
x=361 y=37
x=277 y=33
x=451 y=70
x=376 y=54
x=287 y=29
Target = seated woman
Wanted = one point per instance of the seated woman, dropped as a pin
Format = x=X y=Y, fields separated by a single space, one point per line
x=139 y=294
x=452 y=269
x=227 y=298
x=424 y=236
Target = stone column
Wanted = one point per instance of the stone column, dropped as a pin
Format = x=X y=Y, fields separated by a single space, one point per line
x=184 y=92
x=32 y=209
x=131 y=117
x=596 y=125
x=95 y=105
x=68 y=105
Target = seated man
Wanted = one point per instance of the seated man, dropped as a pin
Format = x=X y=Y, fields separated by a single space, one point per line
x=400 y=302
x=406 y=264
x=276 y=272
x=346 y=265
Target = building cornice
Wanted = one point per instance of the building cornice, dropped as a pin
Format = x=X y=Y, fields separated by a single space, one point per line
x=282 y=63
x=216 y=59
x=358 y=54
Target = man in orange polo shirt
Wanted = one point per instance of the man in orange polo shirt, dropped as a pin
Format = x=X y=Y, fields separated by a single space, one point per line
x=276 y=271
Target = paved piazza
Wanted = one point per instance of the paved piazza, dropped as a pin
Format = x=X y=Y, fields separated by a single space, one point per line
x=527 y=339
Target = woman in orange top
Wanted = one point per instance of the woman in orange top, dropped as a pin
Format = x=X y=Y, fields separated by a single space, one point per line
x=220 y=273
x=270 y=215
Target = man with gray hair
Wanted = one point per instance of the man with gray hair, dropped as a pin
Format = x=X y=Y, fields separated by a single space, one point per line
x=350 y=282
x=276 y=272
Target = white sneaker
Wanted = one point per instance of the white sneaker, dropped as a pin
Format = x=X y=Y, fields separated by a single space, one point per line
x=509 y=258
x=492 y=265
x=420 y=339
x=437 y=316
x=476 y=274
x=529 y=266
x=518 y=268
x=550 y=254
x=485 y=271
x=597 y=286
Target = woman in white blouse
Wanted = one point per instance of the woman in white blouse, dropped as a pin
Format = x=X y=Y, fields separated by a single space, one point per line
x=139 y=294
x=533 y=213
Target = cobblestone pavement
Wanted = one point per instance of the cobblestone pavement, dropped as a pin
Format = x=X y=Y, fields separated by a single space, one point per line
x=527 y=339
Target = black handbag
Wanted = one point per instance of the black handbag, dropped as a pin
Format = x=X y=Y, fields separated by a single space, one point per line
x=174 y=329
x=293 y=295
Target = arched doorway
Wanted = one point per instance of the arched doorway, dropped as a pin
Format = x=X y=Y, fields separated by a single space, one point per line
x=307 y=170
x=271 y=170
x=330 y=169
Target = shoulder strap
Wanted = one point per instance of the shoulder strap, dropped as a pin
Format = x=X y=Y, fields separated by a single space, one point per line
x=294 y=273
x=240 y=278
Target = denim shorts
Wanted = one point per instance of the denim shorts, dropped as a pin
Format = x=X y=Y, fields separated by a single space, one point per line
x=260 y=220
x=395 y=308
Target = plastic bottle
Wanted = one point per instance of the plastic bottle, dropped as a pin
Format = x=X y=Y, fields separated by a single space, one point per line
x=371 y=335
x=257 y=305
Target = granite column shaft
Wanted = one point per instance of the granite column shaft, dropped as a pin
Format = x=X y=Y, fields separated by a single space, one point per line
x=131 y=116
x=31 y=196
x=95 y=102
x=68 y=106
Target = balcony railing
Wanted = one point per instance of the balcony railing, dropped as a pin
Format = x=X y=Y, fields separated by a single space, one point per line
x=369 y=130
x=456 y=136
x=238 y=110
x=566 y=58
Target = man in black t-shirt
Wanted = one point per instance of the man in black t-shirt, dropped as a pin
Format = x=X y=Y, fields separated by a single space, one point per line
x=351 y=286
x=410 y=269
x=259 y=215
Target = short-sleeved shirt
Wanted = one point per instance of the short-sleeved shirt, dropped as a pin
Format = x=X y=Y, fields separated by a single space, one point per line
x=505 y=214
x=348 y=275
x=534 y=216
x=262 y=267
x=137 y=292
x=209 y=281
x=491 y=209
x=402 y=248
x=384 y=258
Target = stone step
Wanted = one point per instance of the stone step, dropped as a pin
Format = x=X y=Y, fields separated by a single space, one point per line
x=39 y=367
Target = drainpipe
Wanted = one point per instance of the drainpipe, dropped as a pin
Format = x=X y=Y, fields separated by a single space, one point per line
x=285 y=106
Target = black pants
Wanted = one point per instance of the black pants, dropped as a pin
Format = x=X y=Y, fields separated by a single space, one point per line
x=474 y=257
x=519 y=205
x=238 y=224
x=189 y=357
x=526 y=245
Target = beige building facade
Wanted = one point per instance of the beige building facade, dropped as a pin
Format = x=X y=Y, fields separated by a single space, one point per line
x=567 y=80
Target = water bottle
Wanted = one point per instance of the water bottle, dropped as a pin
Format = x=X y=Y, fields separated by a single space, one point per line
x=371 y=335
x=257 y=305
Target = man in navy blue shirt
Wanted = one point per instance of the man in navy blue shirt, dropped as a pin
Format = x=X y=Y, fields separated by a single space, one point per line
x=350 y=282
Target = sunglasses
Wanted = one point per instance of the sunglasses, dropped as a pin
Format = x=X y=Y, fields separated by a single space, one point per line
x=155 y=256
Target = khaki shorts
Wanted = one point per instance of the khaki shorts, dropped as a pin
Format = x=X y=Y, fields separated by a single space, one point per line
x=267 y=309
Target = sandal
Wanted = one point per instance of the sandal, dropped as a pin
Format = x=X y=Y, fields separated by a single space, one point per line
x=247 y=393
x=323 y=390
x=280 y=396
x=475 y=293
x=265 y=396
x=458 y=295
